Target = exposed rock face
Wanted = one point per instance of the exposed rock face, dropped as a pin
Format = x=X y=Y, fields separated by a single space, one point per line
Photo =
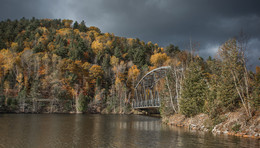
x=232 y=123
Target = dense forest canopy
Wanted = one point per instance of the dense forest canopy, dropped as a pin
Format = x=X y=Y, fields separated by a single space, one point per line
x=82 y=68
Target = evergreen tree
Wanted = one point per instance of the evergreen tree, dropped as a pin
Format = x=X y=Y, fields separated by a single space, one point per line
x=38 y=48
x=139 y=57
x=118 y=53
x=83 y=100
x=2 y=44
x=172 y=50
x=76 y=25
x=226 y=91
x=82 y=27
x=194 y=91
x=256 y=89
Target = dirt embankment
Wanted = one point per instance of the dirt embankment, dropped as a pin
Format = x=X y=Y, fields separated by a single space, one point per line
x=231 y=123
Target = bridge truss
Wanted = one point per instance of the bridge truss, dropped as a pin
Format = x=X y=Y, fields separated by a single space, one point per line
x=146 y=90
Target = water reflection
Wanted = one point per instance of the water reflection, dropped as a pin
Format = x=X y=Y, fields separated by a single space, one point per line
x=138 y=125
x=44 y=130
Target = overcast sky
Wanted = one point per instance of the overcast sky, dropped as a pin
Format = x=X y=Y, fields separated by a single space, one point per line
x=207 y=23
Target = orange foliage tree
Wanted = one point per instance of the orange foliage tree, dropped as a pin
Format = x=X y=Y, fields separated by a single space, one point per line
x=96 y=72
x=158 y=59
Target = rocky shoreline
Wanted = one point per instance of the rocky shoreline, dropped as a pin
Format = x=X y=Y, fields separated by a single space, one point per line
x=231 y=123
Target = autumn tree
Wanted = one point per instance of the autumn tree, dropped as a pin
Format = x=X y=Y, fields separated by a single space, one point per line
x=133 y=73
x=158 y=59
x=96 y=73
x=67 y=23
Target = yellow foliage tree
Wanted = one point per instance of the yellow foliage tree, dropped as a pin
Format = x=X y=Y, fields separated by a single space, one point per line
x=51 y=46
x=118 y=81
x=158 y=59
x=133 y=72
x=9 y=59
x=97 y=46
x=14 y=46
x=101 y=43
x=130 y=41
x=257 y=69
x=64 y=31
x=67 y=23
x=114 y=61
x=96 y=72
x=19 y=79
x=86 y=66
x=93 y=28
x=1 y=64
x=92 y=34
x=76 y=31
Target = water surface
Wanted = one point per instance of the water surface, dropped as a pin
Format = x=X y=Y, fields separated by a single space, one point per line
x=64 y=130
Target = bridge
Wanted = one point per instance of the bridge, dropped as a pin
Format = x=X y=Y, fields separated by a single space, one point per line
x=146 y=90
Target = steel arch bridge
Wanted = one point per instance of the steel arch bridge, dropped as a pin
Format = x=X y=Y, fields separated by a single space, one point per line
x=146 y=90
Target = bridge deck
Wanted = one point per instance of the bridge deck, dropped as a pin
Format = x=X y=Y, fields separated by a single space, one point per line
x=147 y=107
x=153 y=103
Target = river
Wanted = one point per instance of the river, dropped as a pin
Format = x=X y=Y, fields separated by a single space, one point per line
x=122 y=131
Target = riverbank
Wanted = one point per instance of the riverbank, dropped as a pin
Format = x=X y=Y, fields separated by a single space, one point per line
x=231 y=123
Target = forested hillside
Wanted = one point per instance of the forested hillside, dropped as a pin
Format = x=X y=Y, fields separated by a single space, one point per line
x=80 y=69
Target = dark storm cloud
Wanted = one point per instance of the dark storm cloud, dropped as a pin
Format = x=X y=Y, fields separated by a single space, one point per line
x=208 y=23
x=16 y=9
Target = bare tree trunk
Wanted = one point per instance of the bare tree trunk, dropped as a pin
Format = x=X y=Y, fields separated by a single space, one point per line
x=119 y=96
x=247 y=92
x=243 y=42
x=167 y=81
x=51 y=106
x=246 y=85
x=77 y=99
x=176 y=88
x=240 y=95
x=23 y=105
x=125 y=99
x=113 y=97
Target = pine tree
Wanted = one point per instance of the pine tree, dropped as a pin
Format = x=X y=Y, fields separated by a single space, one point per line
x=82 y=27
x=76 y=25
x=194 y=91
x=226 y=92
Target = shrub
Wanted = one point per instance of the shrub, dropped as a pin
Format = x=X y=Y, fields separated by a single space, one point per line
x=236 y=127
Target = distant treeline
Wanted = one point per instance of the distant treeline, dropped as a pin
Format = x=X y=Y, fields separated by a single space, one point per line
x=83 y=69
